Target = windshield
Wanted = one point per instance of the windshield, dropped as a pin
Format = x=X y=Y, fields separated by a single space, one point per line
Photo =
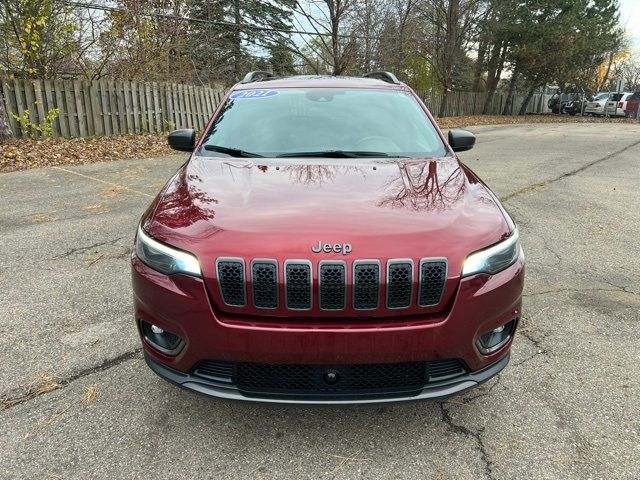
x=303 y=120
x=601 y=96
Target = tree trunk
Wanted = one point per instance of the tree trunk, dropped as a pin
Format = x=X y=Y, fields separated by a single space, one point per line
x=479 y=67
x=512 y=87
x=237 y=41
x=496 y=64
x=525 y=104
x=443 y=104
x=5 y=127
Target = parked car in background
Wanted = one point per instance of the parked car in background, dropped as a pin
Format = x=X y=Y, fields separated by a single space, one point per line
x=597 y=106
x=574 y=107
x=616 y=104
x=631 y=109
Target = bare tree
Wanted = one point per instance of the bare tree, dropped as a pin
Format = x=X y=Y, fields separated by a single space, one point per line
x=452 y=28
x=629 y=70
x=331 y=21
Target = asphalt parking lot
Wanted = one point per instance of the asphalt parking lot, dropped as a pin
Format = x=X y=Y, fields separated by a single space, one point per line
x=567 y=406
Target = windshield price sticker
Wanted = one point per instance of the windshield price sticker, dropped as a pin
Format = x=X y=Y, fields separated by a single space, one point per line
x=249 y=94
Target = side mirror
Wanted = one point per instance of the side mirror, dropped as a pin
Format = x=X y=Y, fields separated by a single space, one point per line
x=461 y=140
x=182 y=140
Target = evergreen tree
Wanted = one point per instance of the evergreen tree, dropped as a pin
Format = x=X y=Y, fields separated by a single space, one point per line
x=225 y=52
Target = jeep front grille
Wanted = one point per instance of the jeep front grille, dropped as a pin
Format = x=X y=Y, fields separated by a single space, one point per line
x=362 y=285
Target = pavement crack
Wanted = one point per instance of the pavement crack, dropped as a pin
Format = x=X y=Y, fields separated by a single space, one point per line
x=484 y=393
x=536 y=343
x=580 y=290
x=29 y=393
x=537 y=186
x=477 y=436
x=81 y=250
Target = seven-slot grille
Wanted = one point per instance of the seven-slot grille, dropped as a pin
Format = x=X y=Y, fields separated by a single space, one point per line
x=332 y=275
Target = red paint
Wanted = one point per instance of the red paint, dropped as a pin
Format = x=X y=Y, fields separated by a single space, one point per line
x=632 y=107
x=281 y=208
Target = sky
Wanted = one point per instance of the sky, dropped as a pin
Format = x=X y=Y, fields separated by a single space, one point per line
x=630 y=19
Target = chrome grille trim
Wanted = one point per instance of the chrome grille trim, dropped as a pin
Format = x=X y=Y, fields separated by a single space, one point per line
x=399 y=261
x=221 y=287
x=276 y=285
x=286 y=282
x=424 y=261
x=354 y=279
x=343 y=264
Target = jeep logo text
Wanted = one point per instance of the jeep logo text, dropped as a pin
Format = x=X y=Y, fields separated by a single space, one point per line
x=343 y=248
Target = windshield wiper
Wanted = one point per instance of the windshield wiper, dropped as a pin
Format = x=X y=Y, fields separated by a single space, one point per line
x=234 y=152
x=338 y=154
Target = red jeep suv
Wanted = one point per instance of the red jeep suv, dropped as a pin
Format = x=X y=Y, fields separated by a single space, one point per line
x=324 y=244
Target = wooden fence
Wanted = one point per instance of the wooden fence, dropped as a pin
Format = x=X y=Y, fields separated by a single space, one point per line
x=108 y=107
x=115 y=107
x=472 y=103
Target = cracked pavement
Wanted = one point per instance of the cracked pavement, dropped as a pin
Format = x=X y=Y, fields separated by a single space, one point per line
x=567 y=406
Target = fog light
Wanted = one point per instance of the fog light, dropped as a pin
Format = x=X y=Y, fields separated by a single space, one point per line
x=156 y=329
x=163 y=341
x=496 y=338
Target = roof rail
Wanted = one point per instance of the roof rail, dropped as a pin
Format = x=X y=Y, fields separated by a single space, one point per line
x=384 y=76
x=256 y=76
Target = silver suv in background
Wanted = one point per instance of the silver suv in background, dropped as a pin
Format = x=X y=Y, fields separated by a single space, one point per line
x=617 y=104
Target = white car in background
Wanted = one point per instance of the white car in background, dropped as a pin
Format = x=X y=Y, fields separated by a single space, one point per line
x=617 y=104
x=597 y=106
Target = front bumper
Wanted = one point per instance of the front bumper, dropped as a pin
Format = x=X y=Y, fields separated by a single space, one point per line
x=181 y=304
x=229 y=391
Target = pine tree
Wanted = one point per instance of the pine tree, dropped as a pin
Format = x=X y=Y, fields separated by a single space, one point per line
x=225 y=52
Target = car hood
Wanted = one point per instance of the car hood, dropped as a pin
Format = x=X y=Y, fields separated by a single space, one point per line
x=280 y=208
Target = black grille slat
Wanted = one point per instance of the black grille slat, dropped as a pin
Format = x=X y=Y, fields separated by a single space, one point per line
x=433 y=275
x=232 y=282
x=399 y=284
x=264 y=277
x=332 y=286
x=366 y=286
x=298 y=286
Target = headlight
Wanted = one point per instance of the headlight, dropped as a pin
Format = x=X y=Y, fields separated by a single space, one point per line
x=164 y=258
x=493 y=259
